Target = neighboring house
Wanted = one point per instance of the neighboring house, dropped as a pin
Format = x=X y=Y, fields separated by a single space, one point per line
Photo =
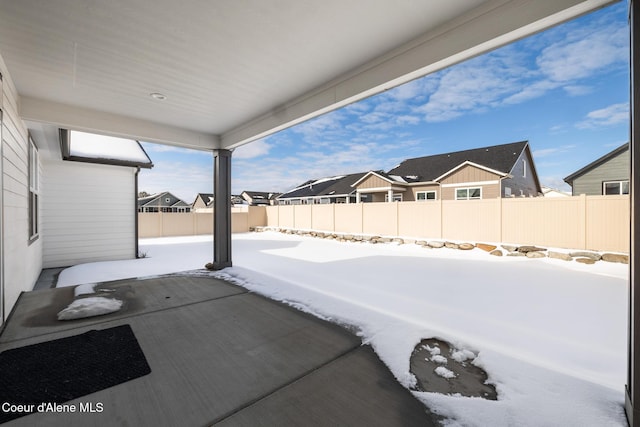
x=497 y=171
x=334 y=189
x=203 y=203
x=162 y=202
x=259 y=198
x=605 y=176
x=554 y=192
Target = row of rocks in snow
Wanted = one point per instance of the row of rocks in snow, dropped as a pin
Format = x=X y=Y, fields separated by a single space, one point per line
x=584 y=257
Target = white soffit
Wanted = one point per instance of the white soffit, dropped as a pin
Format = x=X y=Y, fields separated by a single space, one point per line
x=234 y=71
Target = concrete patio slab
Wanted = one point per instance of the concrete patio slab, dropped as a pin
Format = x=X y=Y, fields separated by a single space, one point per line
x=36 y=312
x=227 y=359
x=348 y=391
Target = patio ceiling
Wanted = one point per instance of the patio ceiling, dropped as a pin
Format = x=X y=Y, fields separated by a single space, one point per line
x=234 y=71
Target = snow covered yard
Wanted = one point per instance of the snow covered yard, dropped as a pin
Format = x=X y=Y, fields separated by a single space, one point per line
x=551 y=334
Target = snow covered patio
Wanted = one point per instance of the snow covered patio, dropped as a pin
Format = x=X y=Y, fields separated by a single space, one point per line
x=551 y=334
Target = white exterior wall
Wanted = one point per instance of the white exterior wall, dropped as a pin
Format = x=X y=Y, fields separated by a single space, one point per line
x=22 y=261
x=88 y=213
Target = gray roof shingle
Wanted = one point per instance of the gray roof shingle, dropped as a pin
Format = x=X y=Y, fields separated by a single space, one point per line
x=498 y=157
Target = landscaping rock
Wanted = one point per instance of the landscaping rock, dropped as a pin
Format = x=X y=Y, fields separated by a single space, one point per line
x=560 y=255
x=421 y=242
x=496 y=252
x=466 y=246
x=398 y=241
x=527 y=249
x=516 y=254
x=486 y=247
x=586 y=260
x=409 y=241
x=509 y=248
x=436 y=245
x=535 y=254
x=451 y=245
x=592 y=255
x=624 y=259
x=384 y=240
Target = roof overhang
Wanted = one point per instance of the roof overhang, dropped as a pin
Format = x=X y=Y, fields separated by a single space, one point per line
x=233 y=72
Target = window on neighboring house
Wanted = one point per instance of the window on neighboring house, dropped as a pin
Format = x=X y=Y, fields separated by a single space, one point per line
x=473 y=193
x=425 y=195
x=396 y=197
x=34 y=191
x=524 y=168
x=167 y=200
x=615 y=187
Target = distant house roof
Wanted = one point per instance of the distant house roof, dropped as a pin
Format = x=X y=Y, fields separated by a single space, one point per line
x=102 y=149
x=577 y=174
x=499 y=158
x=257 y=197
x=329 y=186
x=207 y=198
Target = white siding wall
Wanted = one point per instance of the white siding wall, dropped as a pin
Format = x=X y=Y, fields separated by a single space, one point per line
x=88 y=213
x=22 y=260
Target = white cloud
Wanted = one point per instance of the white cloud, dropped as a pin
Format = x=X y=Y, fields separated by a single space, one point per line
x=184 y=180
x=609 y=116
x=570 y=60
x=544 y=152
x=253 y=149
x=471 y=86
x=577 y=90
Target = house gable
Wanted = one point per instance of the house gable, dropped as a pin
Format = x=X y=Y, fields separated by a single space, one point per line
x=373 y=180
x=470 y=172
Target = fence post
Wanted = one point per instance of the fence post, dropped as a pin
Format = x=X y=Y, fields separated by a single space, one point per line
x=500 y=216
x=441 y=218
x=583 y=221
x=333 y=219
x=397 y=218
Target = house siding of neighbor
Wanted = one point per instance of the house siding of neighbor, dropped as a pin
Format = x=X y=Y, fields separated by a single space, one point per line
x=612 y=168
x=523 y=179
x=94 y=222
x=22 y=254
x=469 y=177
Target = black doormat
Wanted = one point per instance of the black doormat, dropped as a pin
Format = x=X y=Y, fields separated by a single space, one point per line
x=67 y=368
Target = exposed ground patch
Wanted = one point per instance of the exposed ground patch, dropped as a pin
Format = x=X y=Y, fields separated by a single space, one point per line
x=441 y=368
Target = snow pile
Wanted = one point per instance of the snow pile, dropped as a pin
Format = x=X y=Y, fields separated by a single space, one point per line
x=444 y=372
x=89 y=307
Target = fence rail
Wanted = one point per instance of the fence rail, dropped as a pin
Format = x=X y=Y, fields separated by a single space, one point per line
x=580 y=222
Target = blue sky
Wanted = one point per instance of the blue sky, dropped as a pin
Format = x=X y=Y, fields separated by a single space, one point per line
x=565 y=90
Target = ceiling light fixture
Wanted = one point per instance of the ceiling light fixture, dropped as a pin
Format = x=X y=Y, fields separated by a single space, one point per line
x=158 y=96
